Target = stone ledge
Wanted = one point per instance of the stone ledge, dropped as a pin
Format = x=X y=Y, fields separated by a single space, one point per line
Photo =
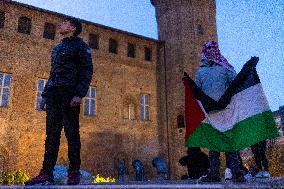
x=275 y=183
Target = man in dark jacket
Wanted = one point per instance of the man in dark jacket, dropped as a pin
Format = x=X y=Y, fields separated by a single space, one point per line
x=197 y=163
x=69 y=80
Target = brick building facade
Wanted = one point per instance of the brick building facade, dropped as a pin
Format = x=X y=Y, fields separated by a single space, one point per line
x=118 y=119
x=183 y=26
x=135 y=106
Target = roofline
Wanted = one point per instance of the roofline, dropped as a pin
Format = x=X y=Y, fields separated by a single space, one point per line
x=82 y=20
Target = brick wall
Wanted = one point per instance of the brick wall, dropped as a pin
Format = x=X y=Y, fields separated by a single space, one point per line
x=119 y=80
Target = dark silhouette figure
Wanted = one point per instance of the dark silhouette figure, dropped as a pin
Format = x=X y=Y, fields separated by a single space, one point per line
x=197 y=163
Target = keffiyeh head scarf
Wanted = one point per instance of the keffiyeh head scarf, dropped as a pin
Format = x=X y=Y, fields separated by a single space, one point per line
x=212 y=52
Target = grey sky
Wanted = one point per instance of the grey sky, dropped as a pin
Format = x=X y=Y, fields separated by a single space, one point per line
x=245 y=28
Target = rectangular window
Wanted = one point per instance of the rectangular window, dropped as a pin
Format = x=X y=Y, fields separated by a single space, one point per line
x=90 y=102
x=5 y=83
x=112 y=46
x=40 y=86
x=49 y=31
x=180 y=121
x=2 y=19
x=144 y=110
x=94 y=41
x=25 y=25
x=200 y=30
x=148 y=54
x=131 y=50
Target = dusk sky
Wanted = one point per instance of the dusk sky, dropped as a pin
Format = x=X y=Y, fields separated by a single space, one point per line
x=245 y=28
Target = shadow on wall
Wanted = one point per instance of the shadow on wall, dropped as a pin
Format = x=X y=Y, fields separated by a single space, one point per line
x=101 y=151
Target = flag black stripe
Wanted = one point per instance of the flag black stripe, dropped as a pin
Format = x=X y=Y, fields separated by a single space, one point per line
x=207 y=102
x=246 y=78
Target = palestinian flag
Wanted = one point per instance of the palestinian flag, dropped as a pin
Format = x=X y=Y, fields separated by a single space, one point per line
x=240 y=118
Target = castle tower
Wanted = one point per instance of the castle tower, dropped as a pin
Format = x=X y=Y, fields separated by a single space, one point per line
x=183 y=26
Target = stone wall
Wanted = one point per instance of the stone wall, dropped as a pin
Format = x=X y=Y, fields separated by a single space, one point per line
x=183 y=26
x=119 y=80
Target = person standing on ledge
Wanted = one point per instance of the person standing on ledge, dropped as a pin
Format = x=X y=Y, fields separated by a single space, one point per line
x=213 y=77
x=69 y=80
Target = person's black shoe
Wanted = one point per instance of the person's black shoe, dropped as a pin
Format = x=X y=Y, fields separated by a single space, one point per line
x=239 y=177
x=210 y=178
x=43 y=178
x=73 y=178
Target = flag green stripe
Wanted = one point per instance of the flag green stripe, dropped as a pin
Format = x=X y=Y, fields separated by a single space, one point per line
x=244 y=134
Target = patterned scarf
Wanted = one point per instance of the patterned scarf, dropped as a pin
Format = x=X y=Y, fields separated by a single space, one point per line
x=211 y=52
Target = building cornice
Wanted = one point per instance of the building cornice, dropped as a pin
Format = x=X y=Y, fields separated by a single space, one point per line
x=82 y=20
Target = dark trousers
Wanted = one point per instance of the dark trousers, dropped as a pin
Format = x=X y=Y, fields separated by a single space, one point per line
x=60 y=115
x=232 y=162
x=259 y=150
x=242 y=167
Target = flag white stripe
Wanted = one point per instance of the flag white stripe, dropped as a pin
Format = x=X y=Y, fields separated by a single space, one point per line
x=243 y=105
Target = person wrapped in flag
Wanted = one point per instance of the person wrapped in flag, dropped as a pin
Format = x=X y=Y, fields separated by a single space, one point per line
x=225 y=112
x=213 y=78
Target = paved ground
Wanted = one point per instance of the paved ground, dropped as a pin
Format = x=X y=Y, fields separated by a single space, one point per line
x=276 y=183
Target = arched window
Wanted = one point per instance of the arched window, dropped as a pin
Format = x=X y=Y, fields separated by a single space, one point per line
x=24 y=25
x=129 y=107
x=129 y=111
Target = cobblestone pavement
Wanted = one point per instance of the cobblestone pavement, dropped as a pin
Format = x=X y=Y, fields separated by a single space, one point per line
x=276 y=183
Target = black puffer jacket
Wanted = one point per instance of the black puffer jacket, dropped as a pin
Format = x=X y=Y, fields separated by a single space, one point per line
x=71 y=66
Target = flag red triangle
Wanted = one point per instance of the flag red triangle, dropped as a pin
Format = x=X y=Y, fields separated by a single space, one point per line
x=193 y=112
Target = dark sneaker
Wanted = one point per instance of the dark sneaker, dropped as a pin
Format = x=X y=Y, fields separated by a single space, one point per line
x=42 y=178
x=210 y=178
x=73 y=178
